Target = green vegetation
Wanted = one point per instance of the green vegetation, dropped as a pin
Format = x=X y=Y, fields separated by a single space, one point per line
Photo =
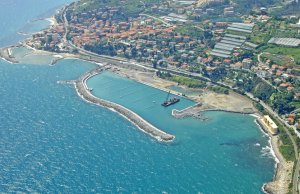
x=255 y=85
x=245 y=6
x=237 y=33
x=291 y=9
x=129 y=7
x=262 y=90
x=282 y=102
x=264 y=31
x=190 y=31
x=286 y=148
x=259 y=107
x=191 y=83
x=295 y=104
x=278 y=59
x=219 y=89
x=103 y=49
x=293 y=52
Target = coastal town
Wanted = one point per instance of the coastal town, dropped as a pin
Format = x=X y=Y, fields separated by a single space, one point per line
x=244 y=55
x=254 y=54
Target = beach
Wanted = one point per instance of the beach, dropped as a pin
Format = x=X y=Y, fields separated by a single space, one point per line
x=283 y=169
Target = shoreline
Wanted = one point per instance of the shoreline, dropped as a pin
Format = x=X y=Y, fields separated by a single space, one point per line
x=280 y=164
x=282 y=168
x=83 y=91
x=281 y=177
x=6 y=55
x=279 y=169
x=148 y=79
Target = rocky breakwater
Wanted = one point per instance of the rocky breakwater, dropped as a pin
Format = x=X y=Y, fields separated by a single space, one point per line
x=5 y=53
x=84 y=92
x=192 y=111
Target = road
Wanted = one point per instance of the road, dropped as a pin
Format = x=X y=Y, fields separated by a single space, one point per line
x=286 y=127
x=156 y=18
x=260 y=61
x=117 y=60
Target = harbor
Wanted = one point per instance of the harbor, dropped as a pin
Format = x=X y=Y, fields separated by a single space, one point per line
x=85 y=93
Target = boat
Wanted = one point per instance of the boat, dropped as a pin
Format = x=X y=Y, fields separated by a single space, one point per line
x=171 y=101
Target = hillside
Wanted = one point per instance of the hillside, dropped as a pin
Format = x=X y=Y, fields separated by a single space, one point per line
x=128 y=7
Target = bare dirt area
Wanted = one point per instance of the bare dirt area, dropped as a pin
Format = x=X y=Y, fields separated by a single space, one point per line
x=231 y=102
x=210 y=100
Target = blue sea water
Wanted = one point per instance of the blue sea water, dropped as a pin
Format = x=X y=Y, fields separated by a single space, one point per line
x=53 y=142
x=19 y=15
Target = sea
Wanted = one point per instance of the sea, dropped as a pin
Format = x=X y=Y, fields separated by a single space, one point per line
x=51 y=141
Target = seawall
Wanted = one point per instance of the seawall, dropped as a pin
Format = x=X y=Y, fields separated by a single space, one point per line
x=84 y=92
x=224 y=110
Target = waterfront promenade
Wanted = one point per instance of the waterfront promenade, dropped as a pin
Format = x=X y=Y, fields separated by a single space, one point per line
x=84 y=92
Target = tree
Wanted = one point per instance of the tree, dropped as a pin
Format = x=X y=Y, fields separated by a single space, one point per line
x=263 y=91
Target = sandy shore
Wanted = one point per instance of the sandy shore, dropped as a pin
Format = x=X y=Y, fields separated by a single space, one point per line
x=284 y=170
x=52 y=21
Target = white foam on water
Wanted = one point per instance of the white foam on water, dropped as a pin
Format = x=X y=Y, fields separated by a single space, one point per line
x=257 y=144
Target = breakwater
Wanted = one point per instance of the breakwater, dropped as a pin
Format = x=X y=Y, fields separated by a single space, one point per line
x=196 y=111
x=230 y=111
x=5 y=53
x=84 y=92
x=192 y=111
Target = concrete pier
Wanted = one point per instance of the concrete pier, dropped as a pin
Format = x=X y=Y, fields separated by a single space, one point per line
x=84 y=92
x=192 y=111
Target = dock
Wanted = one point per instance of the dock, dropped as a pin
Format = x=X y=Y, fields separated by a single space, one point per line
x=192 y=111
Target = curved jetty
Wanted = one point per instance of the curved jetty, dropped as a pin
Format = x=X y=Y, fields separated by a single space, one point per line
x=84 y=92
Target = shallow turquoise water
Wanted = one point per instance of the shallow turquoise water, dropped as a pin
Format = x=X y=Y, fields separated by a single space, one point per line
x=53 y=142
x=212 y=156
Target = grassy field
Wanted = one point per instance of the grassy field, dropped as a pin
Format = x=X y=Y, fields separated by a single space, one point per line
x=192 y=83
x=293 y=52
x=279 y=59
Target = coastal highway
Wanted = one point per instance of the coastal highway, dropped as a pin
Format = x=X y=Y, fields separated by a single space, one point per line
x=295 y=178
x=118 y=61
